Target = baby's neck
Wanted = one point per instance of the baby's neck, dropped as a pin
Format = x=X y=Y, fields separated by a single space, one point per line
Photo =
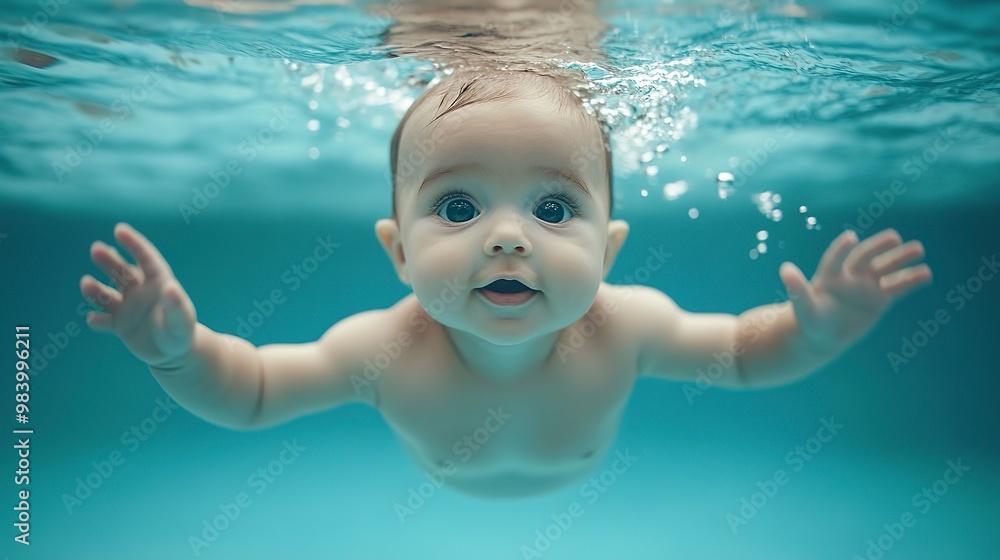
x=502 y=362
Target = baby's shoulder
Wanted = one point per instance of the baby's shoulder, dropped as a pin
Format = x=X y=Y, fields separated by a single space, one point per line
x=370 y=346
x=402 y=323
x=631 y=311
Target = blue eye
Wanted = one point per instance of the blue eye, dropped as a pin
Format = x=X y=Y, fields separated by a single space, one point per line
x=457 y=210
x=557 y=210
x=456 y=207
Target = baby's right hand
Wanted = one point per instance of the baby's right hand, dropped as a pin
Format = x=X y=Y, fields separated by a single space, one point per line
x=150 y=312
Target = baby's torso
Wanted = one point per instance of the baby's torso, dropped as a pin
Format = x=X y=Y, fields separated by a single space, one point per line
x=540 y=431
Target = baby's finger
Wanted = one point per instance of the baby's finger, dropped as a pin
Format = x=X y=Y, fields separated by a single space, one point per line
x=109 y=260
x=833 y=258
x=101 y=322
x=105 y=296
x=800 y=291
x=861 y=257
x=904 y=281
x=896 y=258
x=145 y=253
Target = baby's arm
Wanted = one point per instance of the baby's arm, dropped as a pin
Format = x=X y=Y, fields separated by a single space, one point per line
x=778 y=343
x=220 y=378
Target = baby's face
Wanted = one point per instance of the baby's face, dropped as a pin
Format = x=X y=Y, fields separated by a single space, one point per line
x=504 y=189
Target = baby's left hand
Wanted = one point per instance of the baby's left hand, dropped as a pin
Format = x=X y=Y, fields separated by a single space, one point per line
x=854 y=284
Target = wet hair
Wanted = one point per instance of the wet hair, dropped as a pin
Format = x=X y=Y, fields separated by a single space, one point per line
x=464 y=88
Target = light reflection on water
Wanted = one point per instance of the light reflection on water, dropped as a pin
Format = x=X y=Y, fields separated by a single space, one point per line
x=141 y=101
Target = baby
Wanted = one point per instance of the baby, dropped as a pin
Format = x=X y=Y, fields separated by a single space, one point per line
x=501 y=225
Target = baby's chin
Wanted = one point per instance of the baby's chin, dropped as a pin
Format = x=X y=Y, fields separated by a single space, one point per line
x=509 y=331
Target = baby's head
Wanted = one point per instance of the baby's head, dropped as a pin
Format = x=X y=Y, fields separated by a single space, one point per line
x=501 y=175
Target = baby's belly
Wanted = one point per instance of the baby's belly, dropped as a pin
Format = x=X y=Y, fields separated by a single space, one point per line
x=513 y=471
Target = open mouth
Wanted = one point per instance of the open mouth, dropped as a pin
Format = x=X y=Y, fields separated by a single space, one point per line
x=507 y=292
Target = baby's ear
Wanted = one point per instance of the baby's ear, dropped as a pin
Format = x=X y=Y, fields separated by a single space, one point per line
x=617 y=233
x=387 y=231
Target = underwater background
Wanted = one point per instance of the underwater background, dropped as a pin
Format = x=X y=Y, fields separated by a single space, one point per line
x=237 y=139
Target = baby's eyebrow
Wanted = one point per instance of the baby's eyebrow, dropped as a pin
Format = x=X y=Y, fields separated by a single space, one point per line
x=552 y=173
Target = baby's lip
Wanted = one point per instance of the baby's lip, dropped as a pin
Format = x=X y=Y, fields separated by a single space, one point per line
x=523 y=282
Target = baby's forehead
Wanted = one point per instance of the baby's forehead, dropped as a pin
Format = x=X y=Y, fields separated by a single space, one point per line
x=538 y=128
x=430 y=117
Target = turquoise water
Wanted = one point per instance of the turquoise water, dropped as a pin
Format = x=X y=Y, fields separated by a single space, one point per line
x=864 y=115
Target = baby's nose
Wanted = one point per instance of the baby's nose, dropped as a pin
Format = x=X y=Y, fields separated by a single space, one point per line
x=508 y=238
x=509 y=247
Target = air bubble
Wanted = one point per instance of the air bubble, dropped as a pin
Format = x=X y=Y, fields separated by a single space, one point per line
x=762 y=248
x=313 y=125
x=646 y=157
x=313 y=153
x=761 y=235
x=724 y=182
x=693 y=213
x=652 y=170
x=767 y=202
x=313 y=104
x=673 y=191
x=644 y=192
x=662 y=148
x=802 y=209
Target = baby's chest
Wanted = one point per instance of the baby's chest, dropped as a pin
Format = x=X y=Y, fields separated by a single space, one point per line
x=571 y=410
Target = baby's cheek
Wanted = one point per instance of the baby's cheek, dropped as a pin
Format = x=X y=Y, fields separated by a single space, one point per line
x=578 y=277
x=576 y=262
x=437 y=282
